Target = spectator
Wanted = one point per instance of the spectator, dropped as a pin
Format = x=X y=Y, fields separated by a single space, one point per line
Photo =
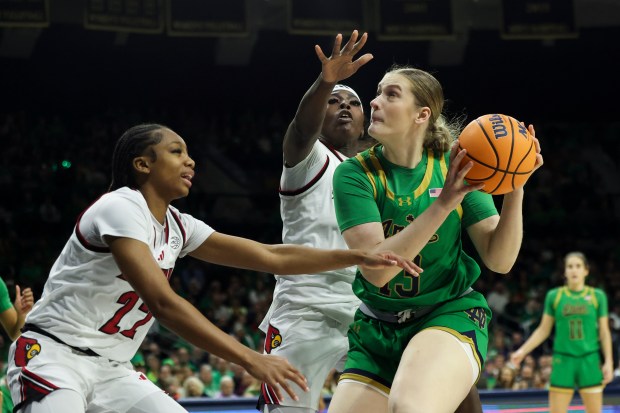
x=193 y=387
x=227 y=389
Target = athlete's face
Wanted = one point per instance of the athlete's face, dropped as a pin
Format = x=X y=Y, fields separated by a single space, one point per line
x=575 y=270
x=344 y=119
x=172 y=171
x=394 y=111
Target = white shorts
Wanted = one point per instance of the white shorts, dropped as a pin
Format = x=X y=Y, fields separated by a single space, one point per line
x=312 y=341
x=39 y=365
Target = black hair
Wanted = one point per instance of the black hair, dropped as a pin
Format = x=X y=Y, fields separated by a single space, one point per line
x=133 y=143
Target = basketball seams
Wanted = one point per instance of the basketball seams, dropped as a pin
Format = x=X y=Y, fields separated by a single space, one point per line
x=503 y=142
x=512 y=147
x=514 y=177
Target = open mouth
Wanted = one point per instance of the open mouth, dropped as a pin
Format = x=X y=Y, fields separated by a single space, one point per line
x=345 y=116
x=187 y=178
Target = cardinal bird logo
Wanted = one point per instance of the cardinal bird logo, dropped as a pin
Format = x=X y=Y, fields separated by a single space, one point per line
x=273 y=339
x=25 y=350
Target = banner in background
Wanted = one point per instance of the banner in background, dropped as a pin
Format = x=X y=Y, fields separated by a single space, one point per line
x=24 y=13
x=138 y=16
x=541 y=19
x=325 y=16
x=207 y=18
x=414 y=19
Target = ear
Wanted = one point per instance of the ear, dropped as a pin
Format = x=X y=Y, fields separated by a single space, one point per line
x=141 y=164
x=423 y=115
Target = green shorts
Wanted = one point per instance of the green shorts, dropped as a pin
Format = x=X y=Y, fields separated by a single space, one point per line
x=376 y=347
x=583 y=372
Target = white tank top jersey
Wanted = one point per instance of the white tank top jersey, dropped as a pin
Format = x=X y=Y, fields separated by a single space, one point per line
x=309 y=218
x=86 y=303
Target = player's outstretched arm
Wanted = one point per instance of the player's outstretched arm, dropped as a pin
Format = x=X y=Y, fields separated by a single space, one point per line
x=289 y=259
x=139 y=268
x=305 y=128
x=539 y=335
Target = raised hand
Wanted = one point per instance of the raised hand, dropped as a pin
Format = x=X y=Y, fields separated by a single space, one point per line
x=455 y=188
x=23 y=301
x=539 y=157
x=276 y=371
x=340 y=65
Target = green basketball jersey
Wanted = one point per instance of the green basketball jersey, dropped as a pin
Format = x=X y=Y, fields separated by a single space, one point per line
x=369 y=188
x=576 y=319
x=5 y=299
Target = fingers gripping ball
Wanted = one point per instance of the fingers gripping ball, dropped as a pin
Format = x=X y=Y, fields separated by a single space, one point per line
x=502 y=150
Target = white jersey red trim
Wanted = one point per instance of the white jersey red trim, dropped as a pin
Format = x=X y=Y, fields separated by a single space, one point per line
x=309 y=218
x=86 y=301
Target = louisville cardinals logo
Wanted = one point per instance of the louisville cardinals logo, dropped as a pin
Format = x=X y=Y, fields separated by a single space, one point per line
x=273 y=339
x=25 y=350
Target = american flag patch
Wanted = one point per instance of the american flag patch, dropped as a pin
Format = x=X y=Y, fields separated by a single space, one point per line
x=434 y=192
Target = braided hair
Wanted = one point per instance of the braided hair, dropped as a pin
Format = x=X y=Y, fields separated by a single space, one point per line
x=133 y=143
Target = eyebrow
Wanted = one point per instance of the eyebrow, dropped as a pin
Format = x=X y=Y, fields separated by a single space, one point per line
x=396 y=85
x=176 y=143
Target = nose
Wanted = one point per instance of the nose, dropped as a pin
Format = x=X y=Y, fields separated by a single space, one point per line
x=373 y=103
x=190 y=162
x=345 y=104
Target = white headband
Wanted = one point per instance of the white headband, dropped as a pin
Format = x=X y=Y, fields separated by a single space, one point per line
x=346 y=88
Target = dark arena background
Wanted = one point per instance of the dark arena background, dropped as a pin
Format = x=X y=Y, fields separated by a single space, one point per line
x=228 y=76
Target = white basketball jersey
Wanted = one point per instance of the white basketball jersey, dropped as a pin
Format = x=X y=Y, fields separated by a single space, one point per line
x=309 y=218
x=86 y=302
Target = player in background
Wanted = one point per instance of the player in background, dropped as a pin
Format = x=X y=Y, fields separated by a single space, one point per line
x=580 y=317
x=112 y=278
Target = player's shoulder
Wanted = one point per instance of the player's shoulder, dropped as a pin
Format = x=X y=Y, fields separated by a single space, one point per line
x=366 y=159
x=123 y=195
x=554 y=291
x=123 y=199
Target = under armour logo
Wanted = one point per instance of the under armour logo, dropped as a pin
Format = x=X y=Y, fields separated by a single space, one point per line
x=402 y=202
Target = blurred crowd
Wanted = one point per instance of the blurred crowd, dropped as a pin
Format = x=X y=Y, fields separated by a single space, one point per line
x=53 y=166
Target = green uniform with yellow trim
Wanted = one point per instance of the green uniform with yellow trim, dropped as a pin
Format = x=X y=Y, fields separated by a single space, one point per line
x=576 y=346
x=369 y=188
x=5 y=299
x=5 y=304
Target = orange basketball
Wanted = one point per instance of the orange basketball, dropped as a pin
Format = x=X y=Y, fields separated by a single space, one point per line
x=502 y=150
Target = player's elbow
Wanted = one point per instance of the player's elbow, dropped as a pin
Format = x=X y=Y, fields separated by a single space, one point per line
x=162 y=307
x=499 y=265
x=505 y=270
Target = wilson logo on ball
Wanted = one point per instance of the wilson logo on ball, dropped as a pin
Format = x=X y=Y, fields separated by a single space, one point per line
x=499 y=128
